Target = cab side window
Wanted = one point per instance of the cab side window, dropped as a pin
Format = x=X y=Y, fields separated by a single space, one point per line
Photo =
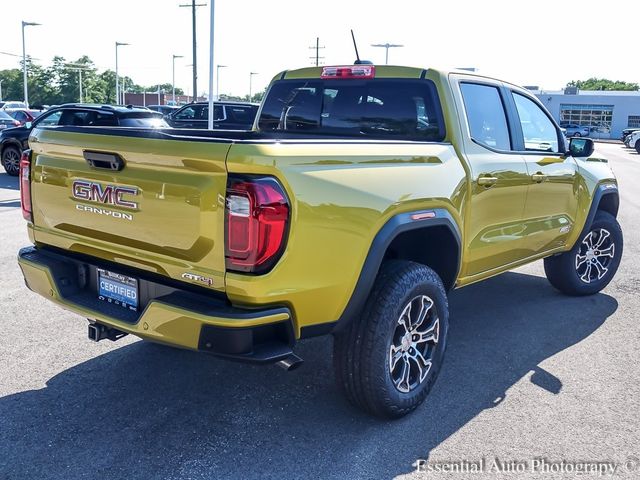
x=50 y=120
x=190 y=113
x=486 y=115
x=75 y=118
x=218 y=113
x=539 y=132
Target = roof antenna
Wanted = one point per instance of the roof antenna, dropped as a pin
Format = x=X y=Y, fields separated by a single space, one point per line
x=355 y=46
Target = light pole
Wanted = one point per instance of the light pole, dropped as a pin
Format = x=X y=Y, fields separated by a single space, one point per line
x=118 y=44
x=24 y=60
x=173 y=81
x=317 y=48
x=193 y=6
x=211 y=38
x=386 y=46
x=79 y=67
x=0 y=90
x=218 y=67
x=186 y=89
x=80 y=82
x=251 y=74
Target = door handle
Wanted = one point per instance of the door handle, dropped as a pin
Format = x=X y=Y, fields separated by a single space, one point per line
x=538 y=177
x=487 y=181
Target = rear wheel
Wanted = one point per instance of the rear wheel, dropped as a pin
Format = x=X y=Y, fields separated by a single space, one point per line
x=591 y=264
x=11 y=160
x=637 y=146
x=388 y=359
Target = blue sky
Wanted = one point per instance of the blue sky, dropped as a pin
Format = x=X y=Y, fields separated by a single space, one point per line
x=545 y=43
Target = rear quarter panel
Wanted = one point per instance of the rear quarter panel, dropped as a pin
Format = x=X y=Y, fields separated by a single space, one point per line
x=341 y=193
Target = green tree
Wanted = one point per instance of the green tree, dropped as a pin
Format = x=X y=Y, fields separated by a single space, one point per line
x=60 y=83
x=108 y=79
x=255 y=98
x=11 y=84
x=93 y=86
x=164 y=87
x=41 y=90
x=602 y=84
x=69 y=75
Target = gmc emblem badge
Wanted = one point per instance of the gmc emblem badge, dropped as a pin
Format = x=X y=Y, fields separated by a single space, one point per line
x=107 y=194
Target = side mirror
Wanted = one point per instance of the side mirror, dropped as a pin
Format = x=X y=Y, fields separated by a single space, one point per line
x=581 y=147
x=28 y=125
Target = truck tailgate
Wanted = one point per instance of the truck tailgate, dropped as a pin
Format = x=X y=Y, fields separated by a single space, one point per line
x=163 y=211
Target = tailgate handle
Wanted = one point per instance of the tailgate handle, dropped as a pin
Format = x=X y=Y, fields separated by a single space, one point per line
x=107 y=160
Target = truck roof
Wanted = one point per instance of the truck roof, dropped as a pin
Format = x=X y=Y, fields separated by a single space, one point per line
x=382 y=71
x=102 y=106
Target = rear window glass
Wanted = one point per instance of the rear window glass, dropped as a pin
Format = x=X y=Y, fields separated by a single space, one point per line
x=394 y=109
x=99 y=119
x=241 y=114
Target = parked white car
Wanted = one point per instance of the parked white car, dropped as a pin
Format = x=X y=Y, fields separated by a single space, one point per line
x=633 y=141
x=12 y=105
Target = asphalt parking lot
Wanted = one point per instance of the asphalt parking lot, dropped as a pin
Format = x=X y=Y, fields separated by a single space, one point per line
x=530 y=374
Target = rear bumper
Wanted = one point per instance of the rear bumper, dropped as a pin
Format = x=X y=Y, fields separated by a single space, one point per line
x=167 y=314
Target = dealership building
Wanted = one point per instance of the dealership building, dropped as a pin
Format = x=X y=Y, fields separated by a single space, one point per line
x=606 y=113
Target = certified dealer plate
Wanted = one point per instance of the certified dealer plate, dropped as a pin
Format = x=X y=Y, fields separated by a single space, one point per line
x=118 y=289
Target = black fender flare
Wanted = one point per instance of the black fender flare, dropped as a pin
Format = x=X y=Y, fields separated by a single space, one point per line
x=403 y=222
x=601 y=191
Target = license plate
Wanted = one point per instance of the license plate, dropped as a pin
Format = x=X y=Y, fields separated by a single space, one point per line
x=118 y=289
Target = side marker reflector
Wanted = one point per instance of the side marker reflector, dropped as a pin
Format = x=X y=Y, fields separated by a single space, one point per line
x=423 y=215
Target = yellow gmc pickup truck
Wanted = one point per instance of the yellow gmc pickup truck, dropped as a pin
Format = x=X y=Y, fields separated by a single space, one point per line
x=362 y=195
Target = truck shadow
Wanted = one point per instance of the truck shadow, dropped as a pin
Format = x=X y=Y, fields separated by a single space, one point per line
x=147 y=411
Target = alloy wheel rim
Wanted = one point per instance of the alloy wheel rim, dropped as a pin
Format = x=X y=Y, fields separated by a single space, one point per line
x=413 y=344
x=12 y=160
x=596 y=253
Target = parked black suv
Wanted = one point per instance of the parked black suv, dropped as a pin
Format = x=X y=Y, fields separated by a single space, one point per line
x=164 y=109
x=14 y=140
x=226 y=116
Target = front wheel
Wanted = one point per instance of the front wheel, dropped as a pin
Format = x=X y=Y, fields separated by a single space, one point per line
x=592 y=263
x=387 y=360
x=11 y=160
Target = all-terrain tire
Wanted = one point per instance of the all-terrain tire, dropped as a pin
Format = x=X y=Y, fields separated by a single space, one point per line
x=402 y=328
x=593 y=261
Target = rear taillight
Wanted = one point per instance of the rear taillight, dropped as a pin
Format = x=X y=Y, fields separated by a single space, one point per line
x=349 y=71
x=257 y=217
x=25 y=186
